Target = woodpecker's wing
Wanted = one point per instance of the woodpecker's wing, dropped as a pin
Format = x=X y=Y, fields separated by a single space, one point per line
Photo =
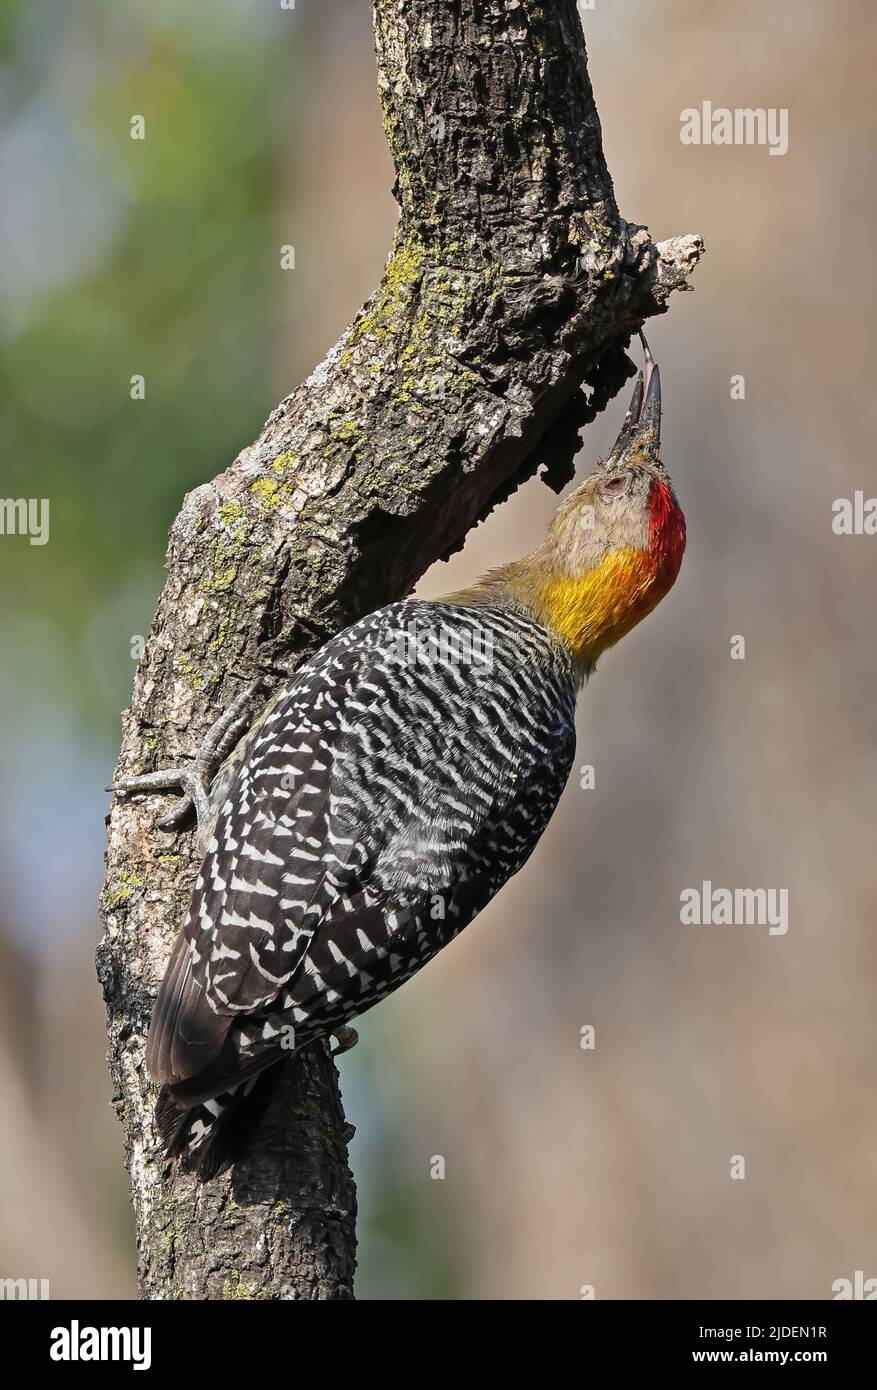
x=383 y=802
x=250 y=920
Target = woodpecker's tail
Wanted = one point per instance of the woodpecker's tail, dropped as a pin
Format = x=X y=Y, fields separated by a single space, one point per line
x=208 y=1135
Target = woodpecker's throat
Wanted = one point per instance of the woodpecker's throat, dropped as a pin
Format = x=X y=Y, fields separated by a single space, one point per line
x=593 y=610
x=614 y=548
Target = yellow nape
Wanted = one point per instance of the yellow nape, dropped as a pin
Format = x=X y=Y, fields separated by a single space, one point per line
x=593 y=610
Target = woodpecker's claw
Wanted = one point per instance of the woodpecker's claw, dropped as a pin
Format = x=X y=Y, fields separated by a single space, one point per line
x=640 y=434
x=346 y=1038
x=196 y=791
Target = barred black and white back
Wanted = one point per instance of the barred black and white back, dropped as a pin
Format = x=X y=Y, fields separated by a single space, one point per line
x=405 y=774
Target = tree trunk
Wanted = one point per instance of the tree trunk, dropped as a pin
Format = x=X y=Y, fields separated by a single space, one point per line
x=512 y=283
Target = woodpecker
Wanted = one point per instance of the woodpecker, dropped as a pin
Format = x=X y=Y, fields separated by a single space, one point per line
x=391 y=788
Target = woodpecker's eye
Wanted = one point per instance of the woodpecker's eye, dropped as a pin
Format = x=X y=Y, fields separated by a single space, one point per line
x=617 y=484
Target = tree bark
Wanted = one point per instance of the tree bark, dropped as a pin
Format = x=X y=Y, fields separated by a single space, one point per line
x=511 y=286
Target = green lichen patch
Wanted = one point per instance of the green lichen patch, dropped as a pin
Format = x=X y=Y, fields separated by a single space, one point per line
x=184 y=667
x=283 y=462
x=349 y=430
x=230 y=513
x=222 y=570
x=386 y=316
x=221 y=634
x=267 y=493
x=127 y=883
x=234 y=1288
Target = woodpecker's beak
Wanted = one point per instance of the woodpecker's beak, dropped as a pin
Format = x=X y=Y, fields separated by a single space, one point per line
x=641 y=432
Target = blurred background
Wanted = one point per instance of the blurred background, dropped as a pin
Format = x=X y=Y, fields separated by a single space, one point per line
x=563 y=1167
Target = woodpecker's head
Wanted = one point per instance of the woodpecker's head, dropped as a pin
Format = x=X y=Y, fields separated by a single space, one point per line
x=615 y=546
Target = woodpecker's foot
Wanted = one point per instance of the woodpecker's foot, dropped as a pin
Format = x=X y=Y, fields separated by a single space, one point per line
x=195 y=778
x=196 y=792
x=346 y=1038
